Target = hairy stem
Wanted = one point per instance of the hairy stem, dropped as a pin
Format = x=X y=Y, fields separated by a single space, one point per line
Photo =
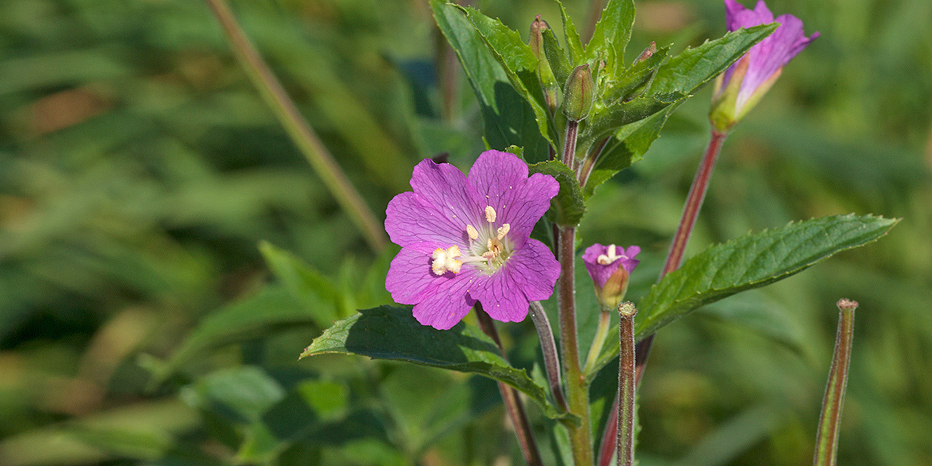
x=512 y=402
x=577 y=390
x=569 y=144
x=834 y=399
x=549 y=349
x=626 y=385
x=298 y=129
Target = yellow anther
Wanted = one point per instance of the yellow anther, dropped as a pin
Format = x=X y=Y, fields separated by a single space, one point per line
x=489 y=214
x=471 y=231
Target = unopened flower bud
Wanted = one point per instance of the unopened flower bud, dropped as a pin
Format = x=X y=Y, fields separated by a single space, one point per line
x=547 y=80
x=578 y=93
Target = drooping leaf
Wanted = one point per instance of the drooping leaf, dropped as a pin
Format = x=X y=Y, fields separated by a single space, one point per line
x=605 y=120
x=568 y=206
x=390 y=332
x=749 y=262
x=694 y=67
x=612 y=32
x=509 y=118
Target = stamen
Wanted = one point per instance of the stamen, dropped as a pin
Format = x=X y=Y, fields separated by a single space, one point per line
x=489 y=214
x=471 y=231
x=445 y=260
x=503 y=230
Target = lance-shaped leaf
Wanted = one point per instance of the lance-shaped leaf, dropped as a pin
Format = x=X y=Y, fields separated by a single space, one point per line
x=694 y=67
x=748 y=262
x=517 y=60
x=573 y=43
x=389 y=332
x=606 y=120
x=509 y=119
x=626 y=146
x=568 y=206
x=611 y=34
x=557 y=57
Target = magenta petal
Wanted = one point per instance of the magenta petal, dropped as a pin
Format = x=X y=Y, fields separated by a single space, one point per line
x=410 y=218
x=494 y=175
x=534 y=270
x=409 y=277
x=446 y=188
x=448 y=303
x=598 y=272
x=500 y=298
x=524 y=209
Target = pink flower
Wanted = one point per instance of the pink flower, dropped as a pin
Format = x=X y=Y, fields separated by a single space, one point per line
x=609 y=266
x=467 y=239
x=747 y=80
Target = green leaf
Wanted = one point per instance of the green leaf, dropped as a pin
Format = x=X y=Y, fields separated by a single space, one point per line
x=573 y=43
x=694 y=67
x=749 y=262
x=556 y=57
x=568 y=207
x=612 y=33
x=608 y=119
x=509 y=118
x=627 y=146
x=519 y=63
x=389 y=332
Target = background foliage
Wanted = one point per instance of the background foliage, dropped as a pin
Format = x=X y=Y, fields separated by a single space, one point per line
x=150 y=312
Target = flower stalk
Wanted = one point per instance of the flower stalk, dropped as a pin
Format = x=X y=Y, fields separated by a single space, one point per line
x=549 y=349
x=298 y=129
x=834 y=399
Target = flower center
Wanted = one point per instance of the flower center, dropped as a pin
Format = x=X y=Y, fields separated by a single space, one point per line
x=488 y=248
x=611 y=256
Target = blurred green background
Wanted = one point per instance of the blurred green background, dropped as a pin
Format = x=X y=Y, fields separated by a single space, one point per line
x=166 y=252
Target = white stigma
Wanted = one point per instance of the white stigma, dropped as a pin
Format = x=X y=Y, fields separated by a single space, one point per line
x=489 y=214
x=471 y=231
x=606 y=259
x=445 y=260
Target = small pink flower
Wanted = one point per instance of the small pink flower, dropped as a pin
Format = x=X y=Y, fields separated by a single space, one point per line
x=609 y=266
x=748 y=79
x=467 y=239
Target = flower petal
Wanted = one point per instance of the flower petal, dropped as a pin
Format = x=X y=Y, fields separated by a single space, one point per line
x=410 y=218
x=501 y=298
x=449 y=302
x=598 y=272
x=533 y=270
x=409 y=278
x=446 y=188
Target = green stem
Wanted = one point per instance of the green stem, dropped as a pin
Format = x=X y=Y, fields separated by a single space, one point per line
x=512 y=402
x=626 y=385
x=834 y=400
x=298 y=129
x=601 y=334
x=577 y=389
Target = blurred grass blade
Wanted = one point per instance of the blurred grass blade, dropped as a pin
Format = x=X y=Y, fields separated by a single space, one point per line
x=298 y=129
x=834 y=400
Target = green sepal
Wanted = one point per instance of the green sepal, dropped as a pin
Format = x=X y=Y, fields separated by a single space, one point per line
x=568 y=207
